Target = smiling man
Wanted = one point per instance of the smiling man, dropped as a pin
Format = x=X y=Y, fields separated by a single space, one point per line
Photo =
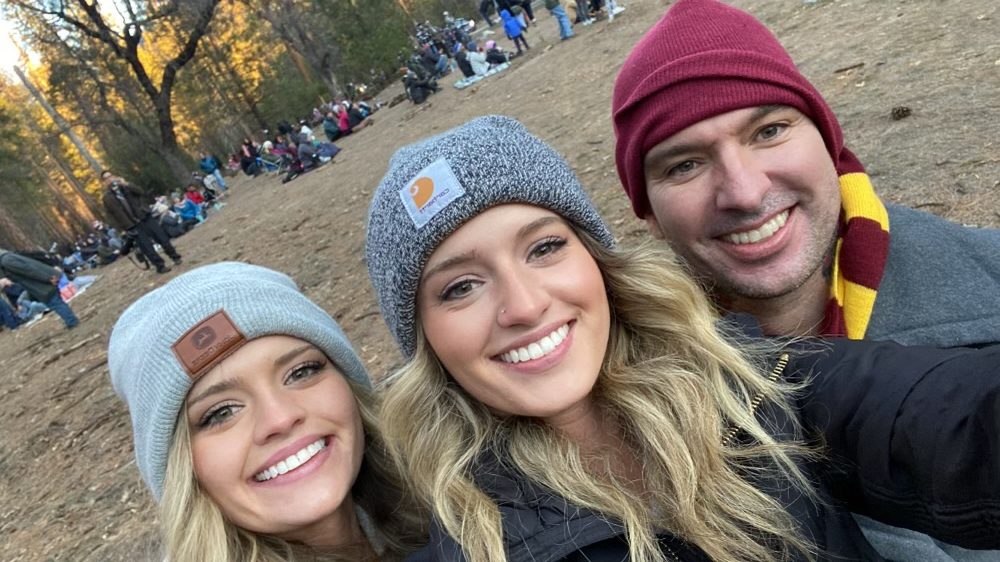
x=733 y=158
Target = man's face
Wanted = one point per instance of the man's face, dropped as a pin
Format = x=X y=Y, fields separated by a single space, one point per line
x=749 y=198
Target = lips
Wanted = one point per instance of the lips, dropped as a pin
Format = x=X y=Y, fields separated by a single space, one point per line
x=537 y=349
x=292 y=461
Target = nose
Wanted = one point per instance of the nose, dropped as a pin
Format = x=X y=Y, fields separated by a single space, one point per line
x=276 y=414
x=523 y=298
x=742 y=181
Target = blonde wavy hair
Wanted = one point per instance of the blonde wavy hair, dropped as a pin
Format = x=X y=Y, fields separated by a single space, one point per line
x=194 y=528
x=676 y=387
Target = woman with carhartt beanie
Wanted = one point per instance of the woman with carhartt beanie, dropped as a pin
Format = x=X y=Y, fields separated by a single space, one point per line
x=254 y=424
x=564 y=399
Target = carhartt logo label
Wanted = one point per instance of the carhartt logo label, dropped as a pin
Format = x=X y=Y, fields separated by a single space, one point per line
x=430 y=191
x=208 y=342
x=421 y=191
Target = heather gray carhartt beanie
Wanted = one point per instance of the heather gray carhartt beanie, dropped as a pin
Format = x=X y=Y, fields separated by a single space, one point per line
x=434 y=186
x=153 y=378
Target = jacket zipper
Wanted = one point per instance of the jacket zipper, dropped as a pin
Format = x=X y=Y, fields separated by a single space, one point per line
x=776 y=372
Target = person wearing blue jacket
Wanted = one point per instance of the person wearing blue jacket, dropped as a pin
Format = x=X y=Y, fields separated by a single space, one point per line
x=211 y=165
x=514 y=30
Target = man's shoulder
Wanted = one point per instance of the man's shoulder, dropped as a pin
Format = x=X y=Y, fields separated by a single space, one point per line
x=906 y=224
x=941 y=284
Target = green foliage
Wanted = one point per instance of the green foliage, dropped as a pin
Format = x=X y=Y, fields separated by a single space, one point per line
x=286 y=95
x=370 y=35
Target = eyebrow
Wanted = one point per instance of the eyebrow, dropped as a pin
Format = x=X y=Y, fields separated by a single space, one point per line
x=230 y=383
x=221 y=386
x=668 y=153
x=469 y=256
x=450 y=263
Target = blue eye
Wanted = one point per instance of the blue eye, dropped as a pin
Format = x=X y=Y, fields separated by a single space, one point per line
x=682 y=168
x=771 y=131
x=458 y=289
x=547 y=246
x=303 y=372
x=218 y=415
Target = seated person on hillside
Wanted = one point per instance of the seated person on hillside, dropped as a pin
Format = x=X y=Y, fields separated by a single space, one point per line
x=189 y=212
x=326 y=150
x=330 y=126
x=417 y=89
x=305 y=129
x=21 y=302
x=306 y=153
x=88 y=247
x=364 y=109
x=170 y=221
x=248 y=158
x=494 y=55
x=193 y=194
x=462 y=58
x=106 y=254
x=210 y=183
x=477 y=59
x=8 y=317
x=356 y=118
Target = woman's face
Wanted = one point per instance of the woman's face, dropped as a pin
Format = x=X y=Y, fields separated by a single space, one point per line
x=277 y=440
x=515 y=309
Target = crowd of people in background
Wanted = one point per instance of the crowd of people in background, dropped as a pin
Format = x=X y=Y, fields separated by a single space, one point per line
x=295 y=149
x=440 y=50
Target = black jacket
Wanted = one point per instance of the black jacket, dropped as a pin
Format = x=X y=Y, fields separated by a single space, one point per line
x=34 y=276
x=125 y=214
x=912 y=437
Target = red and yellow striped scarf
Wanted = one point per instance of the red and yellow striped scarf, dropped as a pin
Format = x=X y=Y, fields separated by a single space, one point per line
x=860 y=254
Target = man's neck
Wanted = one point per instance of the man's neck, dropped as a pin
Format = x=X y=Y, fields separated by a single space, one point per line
x=798 y=313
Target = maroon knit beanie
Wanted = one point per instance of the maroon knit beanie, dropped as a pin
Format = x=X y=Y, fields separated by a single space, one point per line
x=702 y=59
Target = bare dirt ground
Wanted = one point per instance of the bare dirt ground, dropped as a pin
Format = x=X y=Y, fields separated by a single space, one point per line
x=69 y=489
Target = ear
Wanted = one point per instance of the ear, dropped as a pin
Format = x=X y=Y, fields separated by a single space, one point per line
x=654 y=227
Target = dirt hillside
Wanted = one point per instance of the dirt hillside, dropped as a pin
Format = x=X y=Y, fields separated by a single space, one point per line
x=69 y=489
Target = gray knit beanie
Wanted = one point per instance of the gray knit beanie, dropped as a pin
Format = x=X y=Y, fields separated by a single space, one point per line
x=434 y=186
x=174 y=334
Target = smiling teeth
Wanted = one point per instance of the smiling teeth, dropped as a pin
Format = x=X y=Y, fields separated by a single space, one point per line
x=538 y=349
x=764 y=232
x=292 y=462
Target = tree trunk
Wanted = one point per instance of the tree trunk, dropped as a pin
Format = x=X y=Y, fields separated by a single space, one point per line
x=59 y=121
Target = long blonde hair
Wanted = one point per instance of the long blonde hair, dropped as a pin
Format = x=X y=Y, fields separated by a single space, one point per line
x=195 y=529
x=675 y=386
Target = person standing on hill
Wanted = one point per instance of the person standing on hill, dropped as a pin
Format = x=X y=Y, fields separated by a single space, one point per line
x=126 y=211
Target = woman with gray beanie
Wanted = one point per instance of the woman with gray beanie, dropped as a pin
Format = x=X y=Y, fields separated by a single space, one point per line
x=564 y=399
x=254 y=424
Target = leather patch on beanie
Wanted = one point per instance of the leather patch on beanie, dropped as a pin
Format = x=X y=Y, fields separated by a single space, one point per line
x=208 y=342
